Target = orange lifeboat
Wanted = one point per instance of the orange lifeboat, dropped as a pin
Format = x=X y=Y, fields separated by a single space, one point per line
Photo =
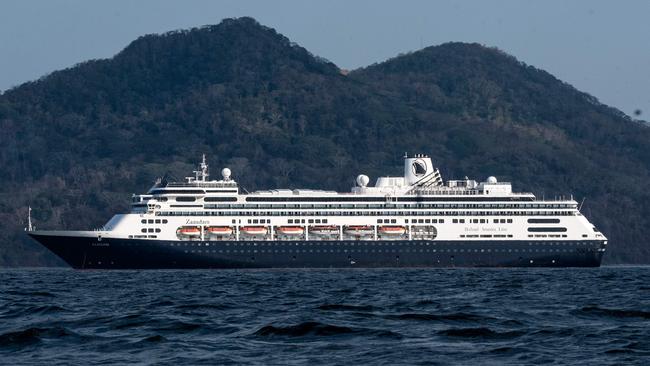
x=189 y=231
x=290 y=230
x=359 y=230
x=219 y=230
x=392 y=230
x=254 y=230
x=324 y=230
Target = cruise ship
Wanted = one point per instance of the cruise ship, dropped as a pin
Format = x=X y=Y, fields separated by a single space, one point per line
x=415 y=220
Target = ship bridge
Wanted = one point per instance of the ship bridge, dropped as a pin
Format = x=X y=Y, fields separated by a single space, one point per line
x=186 y=194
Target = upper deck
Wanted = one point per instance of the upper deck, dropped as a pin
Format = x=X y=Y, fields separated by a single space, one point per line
x=421 y=183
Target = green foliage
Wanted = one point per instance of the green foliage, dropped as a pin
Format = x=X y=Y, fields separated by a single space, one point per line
x=78 y=142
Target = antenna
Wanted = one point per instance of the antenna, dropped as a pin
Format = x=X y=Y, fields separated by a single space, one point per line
x=204 y=168
x=201 y=174
x=29 y=218
x=581 y=203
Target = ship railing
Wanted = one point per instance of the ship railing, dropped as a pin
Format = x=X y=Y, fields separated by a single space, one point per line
x=456 y=192
x=445 y=191
x=204 y=184
x=557 y=199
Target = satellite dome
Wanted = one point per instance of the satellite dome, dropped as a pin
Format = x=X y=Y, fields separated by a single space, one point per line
x=362 y=180
x=225 y=172
x=492 y=179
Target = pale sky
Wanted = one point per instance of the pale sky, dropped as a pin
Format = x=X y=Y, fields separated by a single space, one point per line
x=600 y=47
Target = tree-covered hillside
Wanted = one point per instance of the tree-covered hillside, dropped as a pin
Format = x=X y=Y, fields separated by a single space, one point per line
x=78 y=142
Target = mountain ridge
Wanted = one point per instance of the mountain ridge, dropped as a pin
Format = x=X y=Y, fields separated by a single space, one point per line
x=80 y=140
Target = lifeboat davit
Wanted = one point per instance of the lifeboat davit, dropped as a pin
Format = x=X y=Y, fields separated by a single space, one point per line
x=290 y=230
x=219 y=230
x=324 y=230
x=189 y=231
x=254 y=230
x=359 y=230
x=392 y=230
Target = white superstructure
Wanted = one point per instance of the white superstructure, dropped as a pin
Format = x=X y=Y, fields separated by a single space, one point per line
x=415 y=206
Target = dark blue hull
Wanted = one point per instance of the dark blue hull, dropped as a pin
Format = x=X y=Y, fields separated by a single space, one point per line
x=89 y=253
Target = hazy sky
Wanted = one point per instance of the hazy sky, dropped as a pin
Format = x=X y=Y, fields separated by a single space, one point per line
x=600 y=47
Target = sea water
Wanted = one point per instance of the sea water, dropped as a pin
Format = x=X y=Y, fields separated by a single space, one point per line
x=332 y=316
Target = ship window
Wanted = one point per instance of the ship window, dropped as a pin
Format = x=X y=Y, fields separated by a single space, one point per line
x=496 y=221
x=393 y=221
x=379 y=221
x=482 y=221
x=143 y=221
x=462 y=221
x=509 y=221
x=503 y=221
x=442 y=221
x=324 y=221
x=150 y=230
x=144 y=230
x=157 y=221
x=185 y=199
x=290 y=221
x=427 y=221
x=255 y=221
x=150 y=221
x=454 y=221
x=220 y=199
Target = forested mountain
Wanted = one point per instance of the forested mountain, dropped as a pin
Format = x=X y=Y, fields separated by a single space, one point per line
x=78 y=142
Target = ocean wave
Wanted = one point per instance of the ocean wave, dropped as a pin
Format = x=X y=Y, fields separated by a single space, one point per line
x=31 y=335
x=439 y=317
x=29 y=293
x=344 y=307
x=15 y=312
x=202 y=307
x=481 y=332
x=321 y=330
x=154 y=339
x=178 y=327
x=614 y=313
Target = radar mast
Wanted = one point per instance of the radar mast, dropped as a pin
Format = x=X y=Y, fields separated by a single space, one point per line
x=201 y=174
